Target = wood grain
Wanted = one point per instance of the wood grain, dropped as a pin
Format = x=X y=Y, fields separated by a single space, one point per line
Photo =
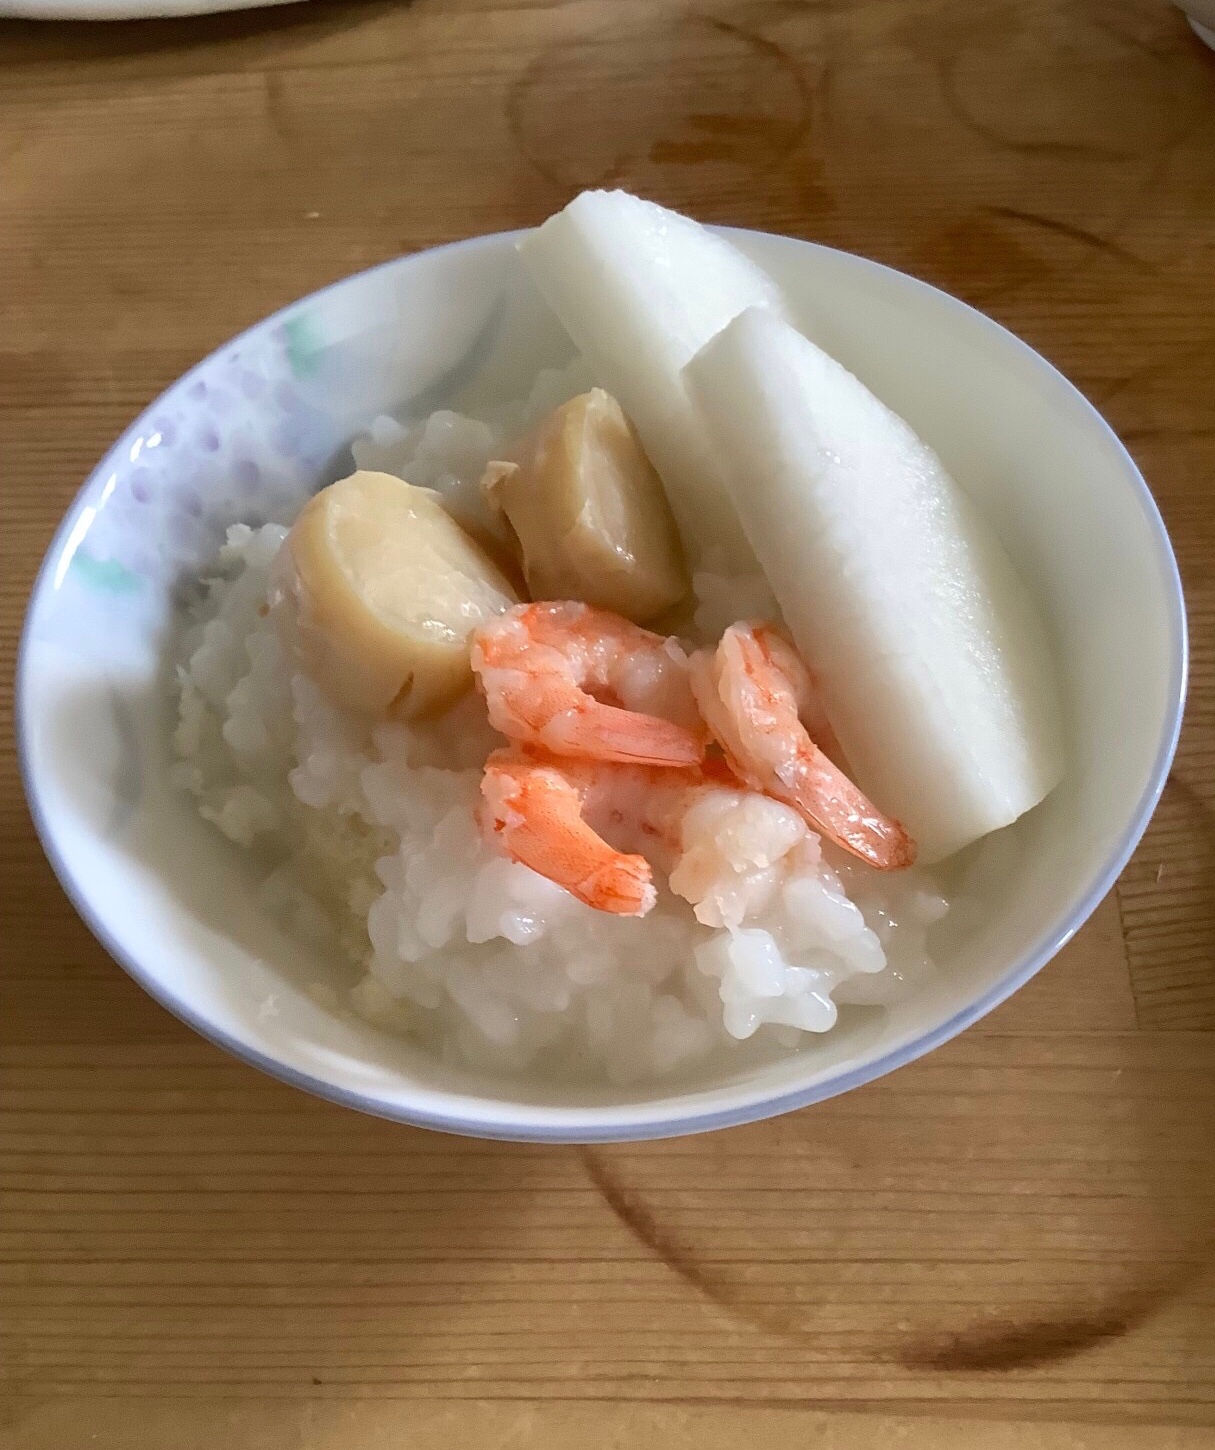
x=1008 y=1244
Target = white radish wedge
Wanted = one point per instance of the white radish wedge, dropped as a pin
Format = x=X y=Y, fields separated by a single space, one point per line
x=931 y=660
x=640 y=290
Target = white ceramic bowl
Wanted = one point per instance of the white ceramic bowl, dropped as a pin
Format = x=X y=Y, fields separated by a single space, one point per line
x=123 y=9
x=260 y=424
x=1201 y=15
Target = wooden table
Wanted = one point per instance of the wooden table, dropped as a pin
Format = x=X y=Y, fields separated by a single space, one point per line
x=1006 y=1245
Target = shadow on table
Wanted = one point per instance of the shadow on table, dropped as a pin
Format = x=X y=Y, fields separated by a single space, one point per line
x=984 y=1210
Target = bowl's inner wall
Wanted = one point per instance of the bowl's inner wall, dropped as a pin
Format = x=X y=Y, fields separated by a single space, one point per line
x=461 y=327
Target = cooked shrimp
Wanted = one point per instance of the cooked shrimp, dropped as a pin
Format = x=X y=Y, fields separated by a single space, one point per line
x=543 y=667
x=534 y=808
x=723 y=845
x=734 y=848
x=748 y=694
x=810 y=709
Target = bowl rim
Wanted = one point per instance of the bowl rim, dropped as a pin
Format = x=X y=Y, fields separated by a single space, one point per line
x=631 y=1122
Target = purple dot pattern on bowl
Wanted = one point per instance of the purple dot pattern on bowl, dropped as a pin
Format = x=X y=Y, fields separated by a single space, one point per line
x=248 y=437
x=240 y=443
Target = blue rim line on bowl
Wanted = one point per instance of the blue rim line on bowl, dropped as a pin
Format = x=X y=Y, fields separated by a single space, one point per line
x=569 y=1125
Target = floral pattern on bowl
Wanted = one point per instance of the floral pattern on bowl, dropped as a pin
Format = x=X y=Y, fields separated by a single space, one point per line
x=247 y=436
x=238 y=441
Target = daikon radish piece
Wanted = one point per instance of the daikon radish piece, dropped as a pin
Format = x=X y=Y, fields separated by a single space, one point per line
x=377 y=591
x=589 y=513
x=640 y=290
x=932 y=663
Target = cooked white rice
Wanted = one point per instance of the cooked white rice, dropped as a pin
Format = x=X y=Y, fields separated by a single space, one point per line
x=373 y=853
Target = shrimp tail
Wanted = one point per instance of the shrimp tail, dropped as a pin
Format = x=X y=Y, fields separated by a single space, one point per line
x=748 y=692
x=606 y=732
x=535 y=812
x=841 y=811
x=545 y=669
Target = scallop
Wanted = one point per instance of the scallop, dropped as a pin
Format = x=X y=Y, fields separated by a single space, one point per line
x=640 y=290
x=378 y=590
x=589 y=513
